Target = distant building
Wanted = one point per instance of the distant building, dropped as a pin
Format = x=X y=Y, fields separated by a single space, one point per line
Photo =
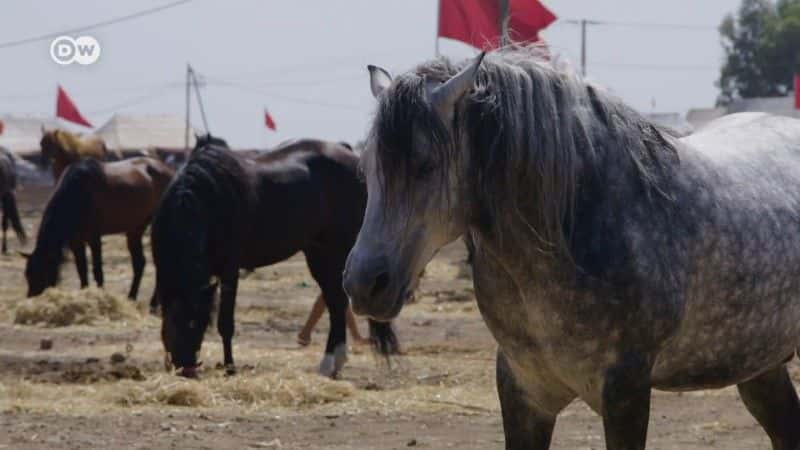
x=21 y=135
x=781 y=106
x=672 y=121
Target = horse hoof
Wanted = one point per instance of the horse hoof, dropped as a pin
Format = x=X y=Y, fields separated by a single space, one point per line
x=230 y=370
x=332 y=363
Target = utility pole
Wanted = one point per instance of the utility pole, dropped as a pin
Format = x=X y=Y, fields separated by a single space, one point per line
x=188 y=108
x=583 y=47
x=504 y=37
x=438 y=19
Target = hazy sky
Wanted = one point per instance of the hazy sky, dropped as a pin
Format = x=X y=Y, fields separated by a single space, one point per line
x=305 y=59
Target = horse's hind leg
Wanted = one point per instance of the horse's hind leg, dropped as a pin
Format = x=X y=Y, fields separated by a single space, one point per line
x=5 y=230
x=96 y=245
x=79 y=252
x=772 y=400
x=225 y=319
x=137 y=261
x=525 y=424
x=326 y=266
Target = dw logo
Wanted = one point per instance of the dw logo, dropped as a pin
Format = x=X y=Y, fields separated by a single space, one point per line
x=82 y=50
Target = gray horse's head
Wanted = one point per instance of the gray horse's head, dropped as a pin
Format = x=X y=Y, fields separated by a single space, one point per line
x=415 y=202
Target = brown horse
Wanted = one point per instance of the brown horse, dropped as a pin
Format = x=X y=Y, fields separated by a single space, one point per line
x=8 y=183
x=61 y=148
x=91 y=200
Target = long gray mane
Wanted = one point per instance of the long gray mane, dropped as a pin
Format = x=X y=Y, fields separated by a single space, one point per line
x=530 y=131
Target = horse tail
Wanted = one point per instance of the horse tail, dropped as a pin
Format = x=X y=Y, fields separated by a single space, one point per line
x=11 y=213
x=384 y=339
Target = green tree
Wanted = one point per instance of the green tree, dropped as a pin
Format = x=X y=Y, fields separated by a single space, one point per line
x=762 y=50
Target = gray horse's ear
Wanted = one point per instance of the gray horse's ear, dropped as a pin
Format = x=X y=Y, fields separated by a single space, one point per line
x=379 y=79
x=445 y=96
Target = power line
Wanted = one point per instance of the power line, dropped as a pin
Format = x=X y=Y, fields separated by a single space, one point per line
x=291 y=99
x=137 y=100
x=647 y=25
x=652 y=66
x=49 y=93
x=93 y=26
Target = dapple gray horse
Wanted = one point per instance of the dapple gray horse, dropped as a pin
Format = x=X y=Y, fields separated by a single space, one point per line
x=610 y=257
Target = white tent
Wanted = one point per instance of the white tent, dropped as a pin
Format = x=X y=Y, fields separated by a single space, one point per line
x=124 y=132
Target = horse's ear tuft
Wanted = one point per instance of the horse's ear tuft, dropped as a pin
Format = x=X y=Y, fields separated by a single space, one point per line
x=379 y=79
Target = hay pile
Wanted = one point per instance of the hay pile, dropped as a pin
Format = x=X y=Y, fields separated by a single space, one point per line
x=59 y=308
x=289 y=388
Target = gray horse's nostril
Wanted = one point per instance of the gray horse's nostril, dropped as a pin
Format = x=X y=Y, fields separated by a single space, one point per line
x=381 y=282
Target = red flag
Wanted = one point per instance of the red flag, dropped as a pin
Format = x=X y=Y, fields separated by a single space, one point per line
x=66 y=109
x=526 y=19
x=268 y=121
x=477 y=22
x=797 y=91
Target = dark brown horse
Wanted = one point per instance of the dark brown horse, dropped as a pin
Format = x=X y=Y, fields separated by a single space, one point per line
x=91 y=200
x=61 y=148
x=225 y=212
x=8 y=183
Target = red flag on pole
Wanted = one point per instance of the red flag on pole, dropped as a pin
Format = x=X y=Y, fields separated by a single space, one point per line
x=268 y=121
x=66 y=109
x=477 y=22
x=474 y=22
x=526 y=19
x=797 y=91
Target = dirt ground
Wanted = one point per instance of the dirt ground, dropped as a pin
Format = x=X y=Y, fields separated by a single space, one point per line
x=439 y=395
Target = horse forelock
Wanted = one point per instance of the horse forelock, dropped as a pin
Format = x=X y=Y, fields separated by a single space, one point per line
x=403 y=111
x=529 y=131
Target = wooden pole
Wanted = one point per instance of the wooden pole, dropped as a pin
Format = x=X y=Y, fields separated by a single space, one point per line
x=438 y=18
x=188 y=109
x=583 y=47
x=504 y=38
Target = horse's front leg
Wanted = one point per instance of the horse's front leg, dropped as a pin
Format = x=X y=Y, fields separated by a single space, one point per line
x=96 y=246
x=225 y=319
x=79 y=253
x=137 y=261
x=526 y=423
x=626 y=402
x=336 y=347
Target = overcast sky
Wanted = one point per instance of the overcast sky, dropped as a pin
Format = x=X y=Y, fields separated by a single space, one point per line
x=305 y=59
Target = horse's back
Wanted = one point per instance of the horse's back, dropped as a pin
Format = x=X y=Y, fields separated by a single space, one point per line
x=739 y=253
x=747 y=135
x=308 y=192
x=131 y=193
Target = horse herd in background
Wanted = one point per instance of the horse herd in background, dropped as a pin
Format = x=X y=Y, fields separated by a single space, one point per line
x=223 y=212
x=610 y=256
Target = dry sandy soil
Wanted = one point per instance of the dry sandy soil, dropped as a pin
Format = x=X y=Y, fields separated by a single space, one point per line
x=439 y=395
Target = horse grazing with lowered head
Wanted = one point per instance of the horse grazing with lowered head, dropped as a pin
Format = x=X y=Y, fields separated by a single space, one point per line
x=609 y=256
x=91 y=200
x=225 y=212
x=8 y=184
x=61 y=148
